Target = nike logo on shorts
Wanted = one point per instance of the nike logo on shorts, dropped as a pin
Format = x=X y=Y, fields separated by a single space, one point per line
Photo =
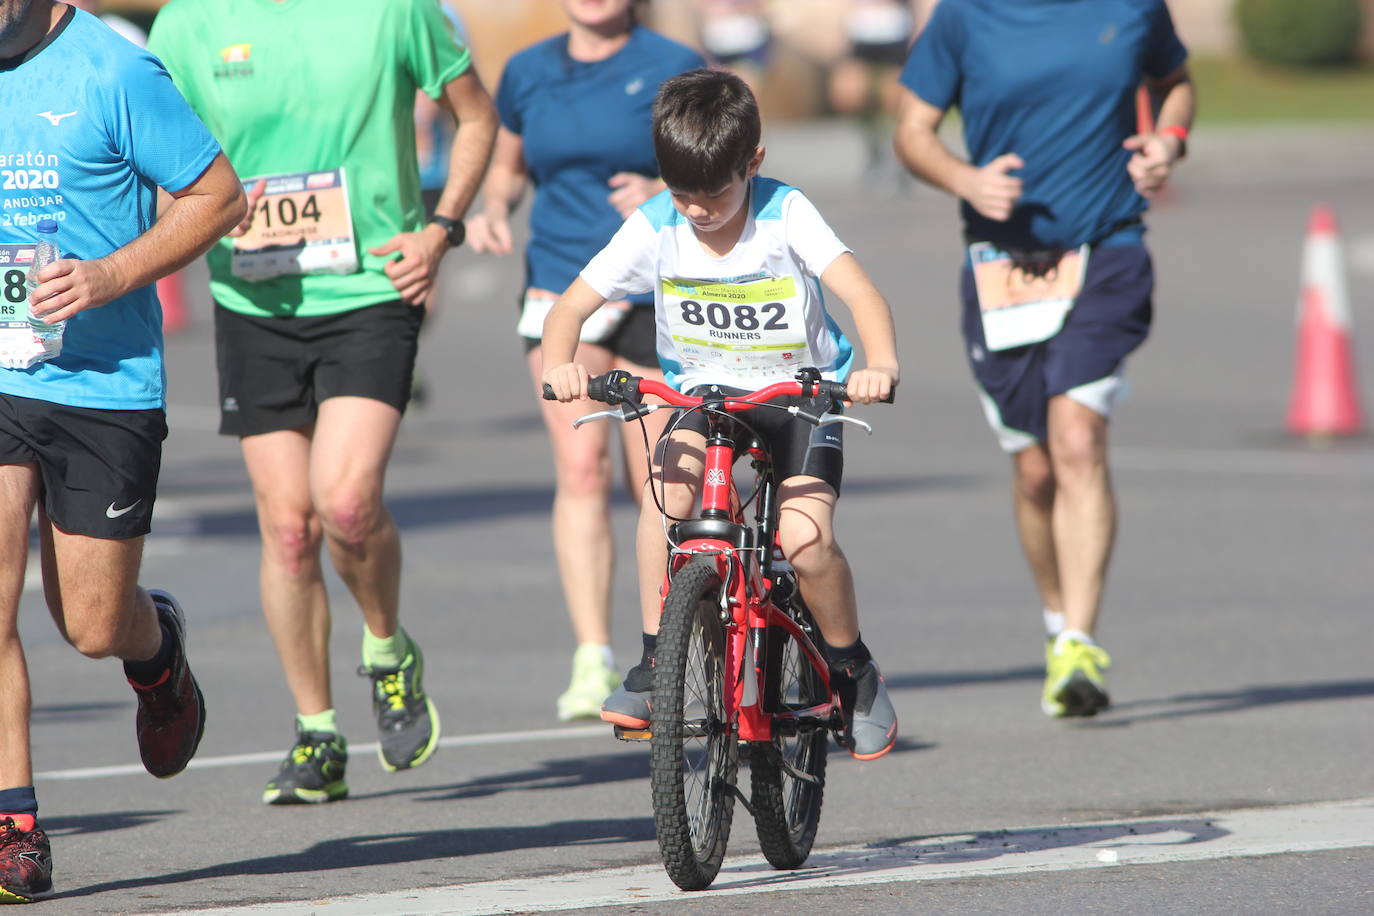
x=112 y=512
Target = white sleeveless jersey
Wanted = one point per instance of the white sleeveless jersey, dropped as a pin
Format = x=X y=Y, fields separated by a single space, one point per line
x=745 y=320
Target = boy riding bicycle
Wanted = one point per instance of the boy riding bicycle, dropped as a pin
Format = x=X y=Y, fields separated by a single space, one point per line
x=733 y=261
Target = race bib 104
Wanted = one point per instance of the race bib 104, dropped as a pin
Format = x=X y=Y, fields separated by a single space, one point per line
x=1023 y=306
x=302 y=224
x=740 y=330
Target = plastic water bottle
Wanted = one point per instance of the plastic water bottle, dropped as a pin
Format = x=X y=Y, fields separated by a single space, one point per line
x=45 y=253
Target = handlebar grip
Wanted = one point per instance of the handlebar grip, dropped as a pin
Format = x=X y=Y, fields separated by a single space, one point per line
x=548 y=393
x=596 y=388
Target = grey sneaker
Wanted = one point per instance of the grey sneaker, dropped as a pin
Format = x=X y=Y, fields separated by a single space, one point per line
x=312 y=773
x=871 y=720
x=628 y=706
x=407 y=722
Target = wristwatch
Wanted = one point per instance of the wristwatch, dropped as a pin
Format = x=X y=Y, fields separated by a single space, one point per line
x=453 y=228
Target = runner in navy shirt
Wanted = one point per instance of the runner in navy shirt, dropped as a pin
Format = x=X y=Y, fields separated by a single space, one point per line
x=575 y=123
x=1057 y=283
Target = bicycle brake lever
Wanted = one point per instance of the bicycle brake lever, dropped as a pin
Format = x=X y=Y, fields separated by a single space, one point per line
x=626 y=411
x=841 y=418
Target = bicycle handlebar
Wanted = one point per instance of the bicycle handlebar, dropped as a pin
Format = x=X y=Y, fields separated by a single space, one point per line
x=619 y=387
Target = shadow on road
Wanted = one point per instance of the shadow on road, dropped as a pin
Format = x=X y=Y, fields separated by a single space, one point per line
x=1224 y=701
x=101 y=823
x=567 y=773
x=962 y=678
x=469 y=505
x=400 y=848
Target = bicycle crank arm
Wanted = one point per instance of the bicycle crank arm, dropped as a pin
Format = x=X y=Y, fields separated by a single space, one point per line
x=739 y=795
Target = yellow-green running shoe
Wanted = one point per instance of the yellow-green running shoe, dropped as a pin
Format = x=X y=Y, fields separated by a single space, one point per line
x=407 y=722
x=592 y=681
x=312 y=773
x=1073 y=679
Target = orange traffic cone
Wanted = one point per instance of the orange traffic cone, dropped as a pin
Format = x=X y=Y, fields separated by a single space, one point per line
x=172 y=295
x=1326 y=399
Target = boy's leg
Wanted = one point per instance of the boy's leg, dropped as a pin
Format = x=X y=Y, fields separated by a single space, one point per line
x=806 y=516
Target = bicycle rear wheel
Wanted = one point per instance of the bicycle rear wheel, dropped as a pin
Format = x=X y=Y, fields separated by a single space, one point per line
x=787 y=775
x=693 y=753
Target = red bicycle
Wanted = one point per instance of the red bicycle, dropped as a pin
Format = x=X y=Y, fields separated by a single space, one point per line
x=738 y=668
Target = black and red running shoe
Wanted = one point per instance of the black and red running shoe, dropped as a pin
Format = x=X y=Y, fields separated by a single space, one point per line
x=171 y=712
x=25 y=859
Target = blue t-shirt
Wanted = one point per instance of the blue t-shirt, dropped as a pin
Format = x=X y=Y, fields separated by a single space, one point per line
x=1053 y=81
x=581 y=123
x=92 y=127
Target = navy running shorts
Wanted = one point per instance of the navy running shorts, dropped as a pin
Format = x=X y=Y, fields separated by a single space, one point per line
x=1109 y=319
x=99 y=467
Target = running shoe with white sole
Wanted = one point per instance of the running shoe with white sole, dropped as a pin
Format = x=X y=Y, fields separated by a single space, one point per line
x=592 y=682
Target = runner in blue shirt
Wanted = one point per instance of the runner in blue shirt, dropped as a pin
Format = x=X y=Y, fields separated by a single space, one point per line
x=575 y=123
x=92 y=129
x=1057 y=282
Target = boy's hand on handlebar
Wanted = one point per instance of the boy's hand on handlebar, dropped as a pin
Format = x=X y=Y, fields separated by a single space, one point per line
x=568 y=381
x=871 y=385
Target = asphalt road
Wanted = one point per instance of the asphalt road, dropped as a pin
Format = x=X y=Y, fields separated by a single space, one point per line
x=1238 y=616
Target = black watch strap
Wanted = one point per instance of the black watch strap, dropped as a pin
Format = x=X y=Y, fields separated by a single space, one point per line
x=453 y=228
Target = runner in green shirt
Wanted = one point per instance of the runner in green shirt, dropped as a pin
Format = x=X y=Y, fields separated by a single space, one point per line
x=319 y=298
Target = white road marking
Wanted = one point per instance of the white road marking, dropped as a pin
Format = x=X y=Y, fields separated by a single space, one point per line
x=1144 y=841
x=231 y=760
x=1355 y=463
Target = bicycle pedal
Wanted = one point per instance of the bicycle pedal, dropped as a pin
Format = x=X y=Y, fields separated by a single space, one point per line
x=632 y=734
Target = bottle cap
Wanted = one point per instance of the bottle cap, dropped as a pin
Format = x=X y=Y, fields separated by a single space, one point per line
x=47 y=225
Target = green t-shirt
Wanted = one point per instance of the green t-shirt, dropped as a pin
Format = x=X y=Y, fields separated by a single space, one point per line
x=303 y=86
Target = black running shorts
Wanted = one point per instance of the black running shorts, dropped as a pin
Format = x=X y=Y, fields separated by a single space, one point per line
x=99 y=467
x=797 y=447
x=274 y=372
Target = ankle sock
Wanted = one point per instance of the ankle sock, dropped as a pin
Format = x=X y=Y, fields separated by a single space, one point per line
x=845 y=658
x=326 y=721
x=148 y=673
x=650 y=647
x=1054 y=623
x=385 y=652
x=1076 y=635
x=19 y=800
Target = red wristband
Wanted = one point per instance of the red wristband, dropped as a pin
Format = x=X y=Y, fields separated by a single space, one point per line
x=1179 y=131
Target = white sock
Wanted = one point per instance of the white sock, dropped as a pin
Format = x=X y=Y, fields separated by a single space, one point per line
x=606 y=656
x=1054 y=622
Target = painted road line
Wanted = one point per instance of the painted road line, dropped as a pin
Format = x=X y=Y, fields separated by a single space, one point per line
x=1306 y=463
x=1144 y=841
x=232 y=760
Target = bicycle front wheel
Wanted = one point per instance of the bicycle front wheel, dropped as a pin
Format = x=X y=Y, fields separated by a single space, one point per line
x=693 y=752
x=787 y=775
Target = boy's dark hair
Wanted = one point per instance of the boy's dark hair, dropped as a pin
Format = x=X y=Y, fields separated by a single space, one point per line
x=706 y=128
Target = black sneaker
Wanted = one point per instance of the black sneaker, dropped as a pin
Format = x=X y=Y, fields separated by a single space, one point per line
x=25 y=859
x=407 y=722
x=171 y=713
x=312 y=773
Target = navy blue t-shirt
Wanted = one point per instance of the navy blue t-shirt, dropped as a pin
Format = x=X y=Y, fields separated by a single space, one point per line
x=1053 y=81
x=581 y=123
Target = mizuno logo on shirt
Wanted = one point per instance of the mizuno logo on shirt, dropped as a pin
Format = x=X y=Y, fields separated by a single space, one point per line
x=55 y=119
x=634 y=86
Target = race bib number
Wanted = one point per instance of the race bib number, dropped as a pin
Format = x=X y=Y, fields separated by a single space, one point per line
x=740 y=330
x=1021 y=306
x=596 y=329
x=20 y=347
x=301 y=225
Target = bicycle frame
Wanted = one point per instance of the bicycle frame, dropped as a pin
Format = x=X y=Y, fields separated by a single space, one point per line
x=743 y=557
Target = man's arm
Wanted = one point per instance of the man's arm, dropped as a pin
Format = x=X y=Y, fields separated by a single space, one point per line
x=196 y=216
x=991 y=190
x=420 y=252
